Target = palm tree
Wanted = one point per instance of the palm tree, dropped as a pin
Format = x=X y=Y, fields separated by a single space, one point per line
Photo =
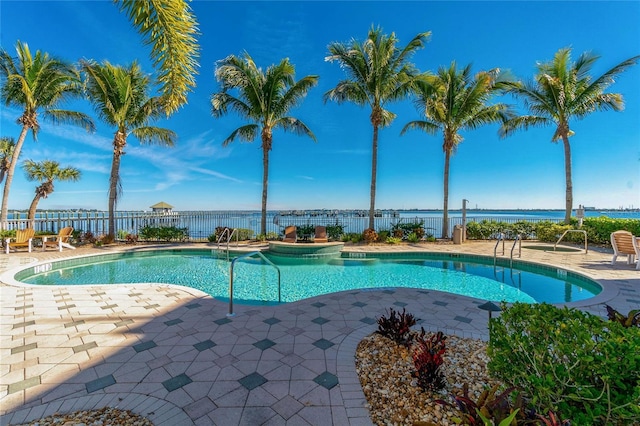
x=46 y=172
x=451 y=101
x=264 y=99
x=37 y=83
x=120 y=97
x=7 y=146
x=563 y=90
x=378 y=72
x=170 y=27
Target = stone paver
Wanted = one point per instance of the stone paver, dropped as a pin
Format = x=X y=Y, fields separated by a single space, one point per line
x=172 y=354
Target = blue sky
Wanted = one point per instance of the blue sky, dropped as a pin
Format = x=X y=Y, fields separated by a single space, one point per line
x=524 y=171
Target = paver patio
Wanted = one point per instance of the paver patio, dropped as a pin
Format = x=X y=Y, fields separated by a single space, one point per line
x=171 y=353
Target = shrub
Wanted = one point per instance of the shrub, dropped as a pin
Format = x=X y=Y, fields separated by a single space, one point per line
x=413 y=238
x=163 y=233
x=632 y=319
x=568 y=361
x=369 y=236
x=599 y=229
x=335 y=232
x=397 y=327
x=241 y=233
x=383 y=235
x=550 y=231
x=402 y=230
x=353 y=237
x=393 y=240
x=427 y=359
x=491 y=408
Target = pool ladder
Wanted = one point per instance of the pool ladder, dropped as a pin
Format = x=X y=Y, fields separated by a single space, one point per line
x=230 y=236
x=517 y=241
x=233 y=262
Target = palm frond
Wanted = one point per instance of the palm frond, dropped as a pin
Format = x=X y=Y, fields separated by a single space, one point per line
x=170 y=27
x=294 y=125
x=155 y=135
x=246 y=133
x=426 y=126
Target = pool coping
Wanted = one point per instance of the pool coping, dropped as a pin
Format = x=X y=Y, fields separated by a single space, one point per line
x=606 y=294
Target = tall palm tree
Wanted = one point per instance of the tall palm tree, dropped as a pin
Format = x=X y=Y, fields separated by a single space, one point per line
x=378 y=72
x=563 y=90
x=170 y=27
x=264 y=99
x=7 y=146
x=46 y=172
x=120 y=97
x=37 y=83
x=451 y=101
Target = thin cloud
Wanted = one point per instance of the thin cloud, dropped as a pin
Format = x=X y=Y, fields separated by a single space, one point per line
x=214 y=173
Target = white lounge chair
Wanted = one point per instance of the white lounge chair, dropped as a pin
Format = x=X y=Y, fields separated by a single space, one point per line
x=624 y=243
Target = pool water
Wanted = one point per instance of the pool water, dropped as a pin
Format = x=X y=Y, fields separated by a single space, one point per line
x=256 y=282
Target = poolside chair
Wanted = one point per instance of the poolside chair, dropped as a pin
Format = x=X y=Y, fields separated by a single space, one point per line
x=625 y=244
x=290 y=235
x=320 y=235
x=23 y=238
x=59 y=241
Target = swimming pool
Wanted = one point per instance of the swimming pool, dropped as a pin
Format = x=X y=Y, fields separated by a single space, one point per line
x=256 y=282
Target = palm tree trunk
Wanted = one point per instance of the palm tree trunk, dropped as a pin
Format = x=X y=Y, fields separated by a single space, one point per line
x=113 y=194
x=569 y=184
x=31 y=216
x=374 y=174
x=445 y=207
x=7 y=183
x=265 y=183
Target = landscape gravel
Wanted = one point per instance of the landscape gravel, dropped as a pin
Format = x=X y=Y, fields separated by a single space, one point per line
x=385 y=371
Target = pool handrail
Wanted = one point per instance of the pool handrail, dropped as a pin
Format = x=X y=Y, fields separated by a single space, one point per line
x=226 y=231
x=517 y=240
x=495 y=249
x=253 y=253
x=573 y=230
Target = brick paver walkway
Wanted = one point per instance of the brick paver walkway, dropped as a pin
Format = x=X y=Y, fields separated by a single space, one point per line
x=172 y=354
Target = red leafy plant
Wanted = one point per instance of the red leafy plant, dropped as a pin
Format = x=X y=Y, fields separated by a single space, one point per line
x=397 y=326
x=428 y=358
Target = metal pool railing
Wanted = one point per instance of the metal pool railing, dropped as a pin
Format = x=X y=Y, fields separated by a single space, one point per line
x=233 y=262
x=202 y=224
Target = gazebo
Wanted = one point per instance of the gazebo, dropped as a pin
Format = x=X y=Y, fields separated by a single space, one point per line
x=161 y=207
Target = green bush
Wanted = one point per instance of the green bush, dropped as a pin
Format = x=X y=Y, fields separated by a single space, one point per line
x=402 y=230
x=550 y=231
x=163 y=233
x=568 y=361
x=335 y=232
x=384 y=234
x=413 y=238
x=599 y=229
x=242 y=234
x=393 y=240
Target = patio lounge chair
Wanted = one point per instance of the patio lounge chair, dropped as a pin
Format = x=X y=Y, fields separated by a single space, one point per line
x=59 y=241
x=320 y=235
x=23 y=238
x=625 y=244
x=290 y=235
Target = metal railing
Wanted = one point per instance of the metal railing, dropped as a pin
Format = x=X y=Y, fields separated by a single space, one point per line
x=202 y=224
x=573 y=230
x=495 y=248
x=233 y=262
x=517 y=240
x=231 y=233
